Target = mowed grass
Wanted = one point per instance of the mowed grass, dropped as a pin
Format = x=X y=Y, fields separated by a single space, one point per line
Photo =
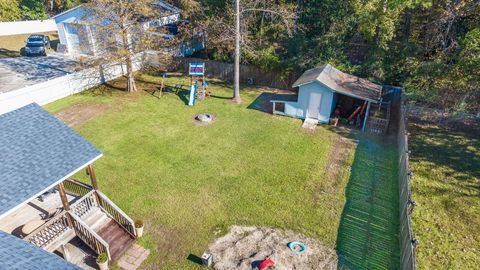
x=190 y=183
x=445 y=186
x=11 y=46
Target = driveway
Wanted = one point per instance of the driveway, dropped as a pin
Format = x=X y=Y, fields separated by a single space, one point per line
x=16 y=73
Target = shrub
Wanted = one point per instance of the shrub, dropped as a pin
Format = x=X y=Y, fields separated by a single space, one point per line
x=103 y=257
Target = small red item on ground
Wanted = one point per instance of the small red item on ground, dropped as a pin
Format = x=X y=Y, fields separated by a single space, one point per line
x=265 y=264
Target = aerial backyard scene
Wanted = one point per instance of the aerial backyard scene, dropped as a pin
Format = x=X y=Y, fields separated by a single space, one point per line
x=242 y=134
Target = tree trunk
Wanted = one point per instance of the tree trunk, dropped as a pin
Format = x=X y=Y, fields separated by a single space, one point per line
x=236 y=76
x=407 y=27
x=131 y=87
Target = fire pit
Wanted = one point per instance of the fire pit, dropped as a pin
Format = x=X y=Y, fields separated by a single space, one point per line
x=204 y=118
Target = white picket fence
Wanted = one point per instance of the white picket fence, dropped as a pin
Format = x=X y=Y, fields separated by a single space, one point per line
x=60 y=87
x=27 y=27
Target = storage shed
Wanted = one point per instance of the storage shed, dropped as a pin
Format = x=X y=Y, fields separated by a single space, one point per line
x=322 y=90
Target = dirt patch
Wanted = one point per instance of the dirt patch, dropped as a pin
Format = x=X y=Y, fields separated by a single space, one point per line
x=78 y=114
x=335 y=168
x=245 y=247
x=338 y=157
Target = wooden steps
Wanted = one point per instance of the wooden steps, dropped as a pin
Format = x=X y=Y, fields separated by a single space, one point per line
x=117 y=238
x=96 y=219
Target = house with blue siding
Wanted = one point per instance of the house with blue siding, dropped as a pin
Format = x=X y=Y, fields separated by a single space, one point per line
x=323 y=90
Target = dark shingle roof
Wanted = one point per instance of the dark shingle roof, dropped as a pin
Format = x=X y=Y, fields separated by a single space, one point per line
x=37 y=151
x=342 y=83
x=16 y=254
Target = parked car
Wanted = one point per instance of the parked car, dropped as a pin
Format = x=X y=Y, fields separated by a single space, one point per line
x=37 y=45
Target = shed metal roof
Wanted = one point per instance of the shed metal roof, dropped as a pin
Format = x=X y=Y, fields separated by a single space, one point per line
x=37 y=151
x=342 y=83
x=16 y=254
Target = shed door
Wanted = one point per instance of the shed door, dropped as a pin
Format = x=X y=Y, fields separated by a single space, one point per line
x=314 y=100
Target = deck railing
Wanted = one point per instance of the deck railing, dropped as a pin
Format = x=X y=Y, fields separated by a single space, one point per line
x=89 y=236
x=50 y=231
x=75 y=187
x=116 y=213
x=83 y=206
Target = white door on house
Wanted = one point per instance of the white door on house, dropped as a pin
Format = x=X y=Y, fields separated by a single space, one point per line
x=313 y=110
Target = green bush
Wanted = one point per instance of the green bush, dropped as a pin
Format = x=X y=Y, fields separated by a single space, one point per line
x=103 y=257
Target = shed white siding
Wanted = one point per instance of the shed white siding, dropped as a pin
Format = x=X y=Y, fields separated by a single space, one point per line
x=293 y=109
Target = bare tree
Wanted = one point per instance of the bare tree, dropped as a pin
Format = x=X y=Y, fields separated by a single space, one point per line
x=120 y=29
x=236 y=26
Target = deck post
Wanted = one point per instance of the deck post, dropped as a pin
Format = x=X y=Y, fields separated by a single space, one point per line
x=366 y=117
x=93 y=178
x=63 y=197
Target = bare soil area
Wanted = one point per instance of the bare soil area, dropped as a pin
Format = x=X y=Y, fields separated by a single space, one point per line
x=246 y=247
x=80 y=113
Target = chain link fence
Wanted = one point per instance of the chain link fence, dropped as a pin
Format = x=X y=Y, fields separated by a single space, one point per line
x=407 y=240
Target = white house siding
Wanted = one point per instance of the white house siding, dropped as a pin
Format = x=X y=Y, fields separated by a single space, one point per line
x=61 y=33
x=326 y=102
x=66 y=24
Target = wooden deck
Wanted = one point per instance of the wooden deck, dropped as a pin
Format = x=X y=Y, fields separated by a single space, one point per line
x=91 y=217
x=33 y=210
x=117 y=238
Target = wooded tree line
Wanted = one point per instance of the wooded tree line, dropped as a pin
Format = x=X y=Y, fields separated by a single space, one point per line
x=431 y=48
x=14 y=10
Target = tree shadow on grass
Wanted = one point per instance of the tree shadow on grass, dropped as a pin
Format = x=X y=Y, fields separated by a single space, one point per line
x=369 y=226
x=456 y=151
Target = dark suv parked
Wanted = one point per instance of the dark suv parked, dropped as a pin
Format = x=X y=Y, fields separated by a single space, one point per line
x=37 y=45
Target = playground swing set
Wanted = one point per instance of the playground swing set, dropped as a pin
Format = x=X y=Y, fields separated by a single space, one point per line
x=198 y=85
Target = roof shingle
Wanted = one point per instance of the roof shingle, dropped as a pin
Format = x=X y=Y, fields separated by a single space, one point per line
x=16 y=254
x=342 y=83
x=37 y=151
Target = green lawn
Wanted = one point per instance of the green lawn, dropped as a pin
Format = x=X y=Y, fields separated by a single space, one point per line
x=446 y=219
x=190 y=183
x=11 y=46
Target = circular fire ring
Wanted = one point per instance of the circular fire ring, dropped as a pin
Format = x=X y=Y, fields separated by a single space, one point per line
x=204 y=118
